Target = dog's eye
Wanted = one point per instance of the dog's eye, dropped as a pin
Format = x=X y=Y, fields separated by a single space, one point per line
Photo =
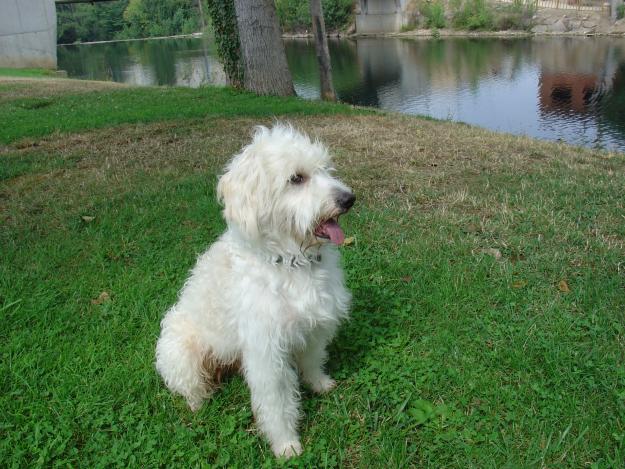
x=297 y=179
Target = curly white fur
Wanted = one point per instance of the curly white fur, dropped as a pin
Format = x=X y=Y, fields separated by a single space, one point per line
x=269 y=294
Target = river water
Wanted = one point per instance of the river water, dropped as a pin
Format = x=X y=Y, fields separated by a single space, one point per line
x=559 y=88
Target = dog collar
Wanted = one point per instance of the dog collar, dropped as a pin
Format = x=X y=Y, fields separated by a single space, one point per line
x=297 y=261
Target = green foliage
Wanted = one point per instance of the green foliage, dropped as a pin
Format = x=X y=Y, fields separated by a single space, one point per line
x=434 y=14
x=472 y=15
x=126 y=19
x=150 y=18
x=620 y=11
x=337 y=14
x=224 y=21
x=90 y=22
x=294 y=15
x=517 y=16
x=477 y=15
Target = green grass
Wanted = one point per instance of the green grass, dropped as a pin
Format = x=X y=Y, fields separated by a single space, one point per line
x=465 y=349
x=67 y=113
x=26 y=72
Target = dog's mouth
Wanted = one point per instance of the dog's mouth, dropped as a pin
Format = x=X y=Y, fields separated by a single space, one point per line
x=330 y=230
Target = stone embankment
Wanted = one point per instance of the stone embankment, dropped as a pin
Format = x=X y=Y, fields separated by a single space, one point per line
x=556 y=22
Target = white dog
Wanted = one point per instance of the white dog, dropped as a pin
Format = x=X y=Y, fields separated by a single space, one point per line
x=269 y=294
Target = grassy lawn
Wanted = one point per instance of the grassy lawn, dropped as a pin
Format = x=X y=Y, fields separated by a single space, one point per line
x=488 y=274
x=44 y=111
x=26 y=72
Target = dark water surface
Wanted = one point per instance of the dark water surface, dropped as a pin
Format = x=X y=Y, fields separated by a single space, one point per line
x=571 y=89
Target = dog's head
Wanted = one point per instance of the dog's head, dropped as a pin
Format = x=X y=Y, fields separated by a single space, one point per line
x=281 y=186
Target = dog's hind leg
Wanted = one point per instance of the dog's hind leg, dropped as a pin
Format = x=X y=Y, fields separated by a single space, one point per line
x=181 y=360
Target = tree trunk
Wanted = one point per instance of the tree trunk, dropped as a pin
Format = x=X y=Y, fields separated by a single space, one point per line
x=323 y=54
x=224 y=20
x=202 y=18
x=265 y=70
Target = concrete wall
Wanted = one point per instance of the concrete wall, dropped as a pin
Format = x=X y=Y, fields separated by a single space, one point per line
x=379 y=16
x=27 y=33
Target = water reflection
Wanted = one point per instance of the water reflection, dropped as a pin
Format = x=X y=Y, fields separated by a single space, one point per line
x=554 y=88
x=181 y=62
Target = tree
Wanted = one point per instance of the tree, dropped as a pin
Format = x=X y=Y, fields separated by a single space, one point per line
x=265 y=70
x=89 y=22
x=323 y=54
x=148 y=18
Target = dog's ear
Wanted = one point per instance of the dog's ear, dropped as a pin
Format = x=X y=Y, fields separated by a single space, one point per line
x=240 y=190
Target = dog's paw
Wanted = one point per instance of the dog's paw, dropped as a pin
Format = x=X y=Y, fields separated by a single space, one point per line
x=287 y=450
x=195 y=404
x=323 y=384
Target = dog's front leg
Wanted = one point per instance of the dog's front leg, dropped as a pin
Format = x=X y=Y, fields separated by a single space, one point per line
x=312 y=359
x=275 y=395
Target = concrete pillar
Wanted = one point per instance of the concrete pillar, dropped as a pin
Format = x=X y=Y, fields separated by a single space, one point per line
x=379 y=16
x=28 y=33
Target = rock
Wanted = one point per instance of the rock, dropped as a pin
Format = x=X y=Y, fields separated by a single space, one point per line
x=618 y=27
x=539 y=29
x=560 y=26
x=493 y=252
x=574 y=24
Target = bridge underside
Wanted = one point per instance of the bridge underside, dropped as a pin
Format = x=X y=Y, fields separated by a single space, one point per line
x=27 y=33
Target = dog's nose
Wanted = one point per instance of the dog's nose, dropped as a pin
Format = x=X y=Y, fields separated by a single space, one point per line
x=345 y=200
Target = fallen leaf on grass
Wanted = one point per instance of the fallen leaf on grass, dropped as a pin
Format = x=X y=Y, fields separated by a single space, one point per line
x=87 y=218
x=514 y=258
x=406 y=279
x=349 y=241
x=472 y=228
x=519 y=284
x=563 y=286
x=103 y=297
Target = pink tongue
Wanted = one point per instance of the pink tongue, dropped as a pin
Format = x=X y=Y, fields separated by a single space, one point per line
x=334 y=231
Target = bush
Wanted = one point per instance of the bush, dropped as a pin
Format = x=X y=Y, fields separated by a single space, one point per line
x=294 y=15
x=517 y=16
x=620 y=11
x=434 y=14
x=149 y=18
x=89 y=22
x=472 y=15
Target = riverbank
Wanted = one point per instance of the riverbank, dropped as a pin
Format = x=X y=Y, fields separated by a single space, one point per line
x=546 y=23
x=552 y=23
x=487 y=273
x=176 y=36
